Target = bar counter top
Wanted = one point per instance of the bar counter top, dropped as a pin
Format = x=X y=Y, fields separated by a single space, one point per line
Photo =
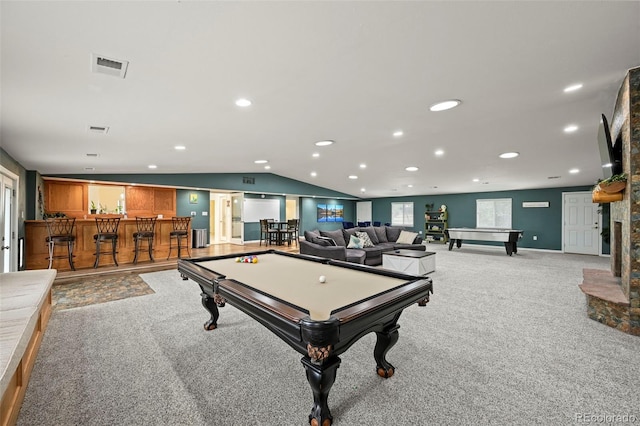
x=37 y=255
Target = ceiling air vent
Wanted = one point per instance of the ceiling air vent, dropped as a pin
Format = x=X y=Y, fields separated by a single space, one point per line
x=109 y=66
x=98 y=129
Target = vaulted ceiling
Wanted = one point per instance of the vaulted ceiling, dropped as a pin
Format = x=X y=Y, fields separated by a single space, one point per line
x=351 y=72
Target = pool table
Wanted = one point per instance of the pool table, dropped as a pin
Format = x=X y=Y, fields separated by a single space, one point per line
x=509 y=237
x=320 y=320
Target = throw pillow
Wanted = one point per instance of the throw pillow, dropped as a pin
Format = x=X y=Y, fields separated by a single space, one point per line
x=372 y=234
x=381 y=233
x=310 y=235
x=324 y=241
x=354 y=242
x=335 y=236
x=364 y=237
x=393 y=232
x=347 y=233
x=406 y=237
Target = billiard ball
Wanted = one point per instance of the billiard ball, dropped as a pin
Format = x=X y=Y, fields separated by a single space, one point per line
x=322 y=278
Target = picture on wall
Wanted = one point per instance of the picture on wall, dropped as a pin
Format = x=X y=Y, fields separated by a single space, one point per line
x=193 y=198
x=330 y=213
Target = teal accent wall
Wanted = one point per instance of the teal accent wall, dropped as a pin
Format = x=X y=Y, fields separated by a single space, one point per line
x=309 y=213
x=545 y=223
x=184 y=208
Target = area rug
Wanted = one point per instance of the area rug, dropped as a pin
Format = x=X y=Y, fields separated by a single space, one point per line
x=90 y=291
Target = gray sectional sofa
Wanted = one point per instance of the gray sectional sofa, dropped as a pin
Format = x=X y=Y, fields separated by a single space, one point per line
x=337 y=244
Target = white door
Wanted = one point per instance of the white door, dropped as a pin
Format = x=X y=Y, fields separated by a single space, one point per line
x=8 y=222
x=581 y=225
x=237 y=220
x=363 y=211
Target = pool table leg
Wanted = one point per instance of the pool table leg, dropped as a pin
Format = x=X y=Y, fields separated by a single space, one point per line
x=321 y=377
x=385 y=341
x=210 y=305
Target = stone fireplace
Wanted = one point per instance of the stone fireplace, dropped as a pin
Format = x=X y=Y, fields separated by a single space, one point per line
x=613 y=297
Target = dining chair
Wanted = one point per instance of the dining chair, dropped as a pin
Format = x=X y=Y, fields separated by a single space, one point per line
x=267 y=233
x=292 y=227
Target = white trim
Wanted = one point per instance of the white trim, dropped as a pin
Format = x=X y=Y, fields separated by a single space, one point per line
x=14 y=225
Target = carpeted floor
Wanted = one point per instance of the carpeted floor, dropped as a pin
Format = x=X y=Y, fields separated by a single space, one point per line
x=90 y=291
x=504 y=341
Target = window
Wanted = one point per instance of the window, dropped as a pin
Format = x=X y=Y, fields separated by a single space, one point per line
x=493 y=213
x=402 y=214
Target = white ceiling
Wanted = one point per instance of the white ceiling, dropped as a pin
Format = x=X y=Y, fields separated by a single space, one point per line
x=354 y=72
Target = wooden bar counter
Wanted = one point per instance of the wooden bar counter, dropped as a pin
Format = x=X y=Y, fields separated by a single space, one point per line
x=37 y=255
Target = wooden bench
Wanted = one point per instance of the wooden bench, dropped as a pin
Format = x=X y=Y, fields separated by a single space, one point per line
x=25 y=308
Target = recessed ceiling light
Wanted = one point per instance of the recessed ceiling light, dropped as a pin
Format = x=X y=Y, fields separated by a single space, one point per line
x=574 y=171
x=242 y=102
x=573 y=87
x=180 y=147
x=315 y=155
x=362 y=190
x=398 y=133
x=353 y=177
x=314 y=174
x=445 y=105
x=267 y=167
x=476 y=180
x=570 y=128
x=363 y=166
x=324 y=143
x=152 y=166
x=411 y=169
x=509 y=155
x=439 y=152
x=409 y=186
x=261 y=161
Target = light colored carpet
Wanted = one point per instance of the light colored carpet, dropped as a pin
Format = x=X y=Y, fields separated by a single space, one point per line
x=504 y=340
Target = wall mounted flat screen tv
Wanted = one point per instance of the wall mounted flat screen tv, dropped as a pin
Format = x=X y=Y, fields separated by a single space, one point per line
x=610 y=153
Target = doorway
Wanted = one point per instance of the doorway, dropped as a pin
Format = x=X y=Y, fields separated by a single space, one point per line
x=581 y=224
x=219 y=218
x=8 y=221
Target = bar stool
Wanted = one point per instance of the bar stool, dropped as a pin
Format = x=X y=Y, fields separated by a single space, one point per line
x=107 y=231
x=60 y=234
x=146 y=232
x=180 y=232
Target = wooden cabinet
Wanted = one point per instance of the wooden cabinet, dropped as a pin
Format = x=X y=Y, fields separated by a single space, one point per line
x=70 y=198
x=150 y=201
x=435 y=225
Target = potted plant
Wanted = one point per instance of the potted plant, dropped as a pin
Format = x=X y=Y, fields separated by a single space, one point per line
x=614 y=184
x=93 y=207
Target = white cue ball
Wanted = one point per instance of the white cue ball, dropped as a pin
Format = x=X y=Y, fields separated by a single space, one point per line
x=322 y=278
